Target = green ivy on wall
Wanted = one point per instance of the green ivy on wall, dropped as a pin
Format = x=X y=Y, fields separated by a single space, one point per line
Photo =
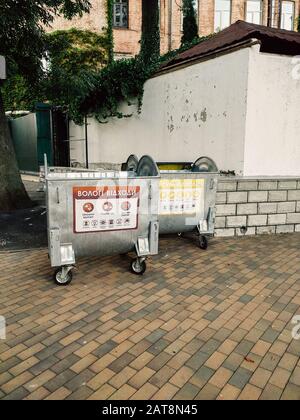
x=190 y=27
x=120 y=82
x=85 y=80
x=109 y=29
x=150 y=42
x=75 y=49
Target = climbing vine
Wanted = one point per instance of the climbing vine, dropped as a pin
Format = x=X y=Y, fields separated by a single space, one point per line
x=76 y=49
x=150 y=42
x=122 y=82
x=109 y=29
x=190 y=27
x=172 y=54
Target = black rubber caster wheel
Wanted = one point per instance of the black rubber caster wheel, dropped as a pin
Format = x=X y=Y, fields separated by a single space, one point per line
x=203 y=242
x=61 y=280
x=137 y=267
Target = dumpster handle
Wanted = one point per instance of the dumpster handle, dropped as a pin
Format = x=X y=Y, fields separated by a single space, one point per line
x=57 y=195
x=150 y=192
x=45 y=165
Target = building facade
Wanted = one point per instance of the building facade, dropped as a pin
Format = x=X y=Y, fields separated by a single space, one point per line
x=212 y=16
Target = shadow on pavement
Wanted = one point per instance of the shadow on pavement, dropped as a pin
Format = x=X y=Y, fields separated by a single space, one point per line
x=23 y=229
x=27 y=228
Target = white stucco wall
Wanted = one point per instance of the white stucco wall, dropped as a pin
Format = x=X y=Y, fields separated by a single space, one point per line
x=272 y=144
x=199 y=110
x=77 y=144
x=241 y=109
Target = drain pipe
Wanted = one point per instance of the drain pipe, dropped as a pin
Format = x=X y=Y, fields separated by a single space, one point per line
x=170 y=29
x=86 y=143
x=269 y=17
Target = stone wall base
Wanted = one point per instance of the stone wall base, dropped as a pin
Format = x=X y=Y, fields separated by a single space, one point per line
x=255 y=206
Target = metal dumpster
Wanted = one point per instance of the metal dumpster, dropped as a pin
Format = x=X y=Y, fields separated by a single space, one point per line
x=100 y=213
x=187 y=197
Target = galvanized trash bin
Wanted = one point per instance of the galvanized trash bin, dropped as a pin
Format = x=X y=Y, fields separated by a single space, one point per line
x=100 y=213
x=187 y=197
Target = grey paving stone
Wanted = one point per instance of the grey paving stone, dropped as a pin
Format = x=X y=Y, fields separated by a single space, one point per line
x=240 y=378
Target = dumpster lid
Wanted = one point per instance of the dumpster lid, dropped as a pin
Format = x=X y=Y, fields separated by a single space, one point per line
x=131 y=164
x=204 y=164
x=147 y=167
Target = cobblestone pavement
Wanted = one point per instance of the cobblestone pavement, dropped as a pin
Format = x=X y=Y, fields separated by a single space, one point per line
x=212 y=324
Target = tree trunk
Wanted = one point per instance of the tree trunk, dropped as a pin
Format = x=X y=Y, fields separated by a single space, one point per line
x=12 y=191
x=150 y=43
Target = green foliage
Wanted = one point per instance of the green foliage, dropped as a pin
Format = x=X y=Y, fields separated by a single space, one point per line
x=22 y=25
x=17 y=94
x=150 y=42
x=190 y=27
x=298 y=24
x=75 y=50
x=172 y=54
x=72 y=55
x=88 y=91
x=83 y=78
x=109 y=29
x=22 y=42
x=121 y=81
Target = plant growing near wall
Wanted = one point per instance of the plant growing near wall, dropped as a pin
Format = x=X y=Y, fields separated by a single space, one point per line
x=190 y=27
x=76 y=49
x=150 y=42
x=109 y=30
x=22 y=43
x=69 y=54
x=84 y=80
x=171 y=54
x=122 y=81
x=18 y=94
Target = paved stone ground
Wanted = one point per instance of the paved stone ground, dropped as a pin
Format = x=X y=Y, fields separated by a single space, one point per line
x=27 y=228
x=197 y=325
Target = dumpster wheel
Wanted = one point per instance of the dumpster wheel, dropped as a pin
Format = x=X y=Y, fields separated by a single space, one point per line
x=62 y=279
x=203 y=242
x=138 y=267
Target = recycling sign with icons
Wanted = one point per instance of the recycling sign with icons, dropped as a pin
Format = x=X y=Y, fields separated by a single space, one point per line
x=103 y=209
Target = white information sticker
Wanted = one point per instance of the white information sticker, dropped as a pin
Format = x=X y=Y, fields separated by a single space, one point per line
x=181 y=196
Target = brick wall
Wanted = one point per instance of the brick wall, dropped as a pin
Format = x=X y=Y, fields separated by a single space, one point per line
x=127 y=39
x=93 y=21
x=257 y=206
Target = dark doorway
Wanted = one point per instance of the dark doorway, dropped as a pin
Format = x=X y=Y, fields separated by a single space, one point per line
x=60 y=130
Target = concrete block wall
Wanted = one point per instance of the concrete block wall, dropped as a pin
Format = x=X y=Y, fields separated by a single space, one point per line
x=257 y=206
